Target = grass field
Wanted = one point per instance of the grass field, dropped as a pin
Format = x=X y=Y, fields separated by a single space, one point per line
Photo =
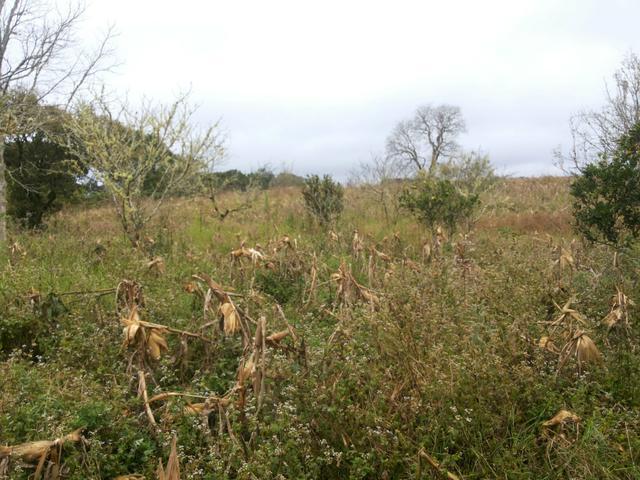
x=395 y=355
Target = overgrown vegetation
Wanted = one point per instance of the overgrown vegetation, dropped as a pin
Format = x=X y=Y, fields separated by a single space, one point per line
x=271 y=351
x=236 y=340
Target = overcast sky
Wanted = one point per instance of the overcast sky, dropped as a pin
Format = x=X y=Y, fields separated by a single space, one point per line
x=317 y=86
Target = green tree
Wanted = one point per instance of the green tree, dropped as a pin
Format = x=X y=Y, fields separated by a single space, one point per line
x=37 y=182
x=606 y=194
x=323 y=198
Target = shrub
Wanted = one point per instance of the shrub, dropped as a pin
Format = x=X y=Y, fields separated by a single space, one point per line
x=438 y=201
x=606 y=194
x=472 y=172
x=323 y=198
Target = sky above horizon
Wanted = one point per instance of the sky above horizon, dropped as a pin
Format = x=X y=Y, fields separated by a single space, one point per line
x=316 y=87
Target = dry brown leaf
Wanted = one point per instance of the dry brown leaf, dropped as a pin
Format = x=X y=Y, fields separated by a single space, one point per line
x=131 y=326
x=561 y=418
x=194 y=408
x=582 y=347
x=157 y=265
x=156 y=343
x=39 y=451
x=277 y=337
x=586 y=350
x=547 y=344
x=230 y=318
x=252 y=254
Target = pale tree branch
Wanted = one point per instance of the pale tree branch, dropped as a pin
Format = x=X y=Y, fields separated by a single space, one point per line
x=595 y=133
x=141 y=155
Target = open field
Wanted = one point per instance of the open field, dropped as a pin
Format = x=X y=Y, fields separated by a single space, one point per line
x=396 y=355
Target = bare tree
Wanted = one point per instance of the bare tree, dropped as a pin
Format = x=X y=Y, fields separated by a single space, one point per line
x=426 y=138
x=39 y=60
x=595 y=133
x=380 y=178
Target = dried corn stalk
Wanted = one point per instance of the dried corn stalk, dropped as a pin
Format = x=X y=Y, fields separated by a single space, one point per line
x=568 y=317
x=619 y=314
x=142 y=394
x=435 y=465
x=349 y=290
x=144 y=335
x=357 y=245
x=426 y=251
x=172 y=470
x=381 y=255
x=582 y=348
x=47 y=454
x=313 y=283
x=230 y=318
x=439 y=239
x=16 y=250
x=564 y=259
x=285 y=241
x=547 y=344
x=128 y=295
x=156 y=266
x=556 y=429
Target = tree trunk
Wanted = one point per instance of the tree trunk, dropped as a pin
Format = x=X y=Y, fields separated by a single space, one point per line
x=434 y=162
x=3 y=195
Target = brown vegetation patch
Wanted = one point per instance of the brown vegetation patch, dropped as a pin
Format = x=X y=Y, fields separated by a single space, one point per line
x=558 y=222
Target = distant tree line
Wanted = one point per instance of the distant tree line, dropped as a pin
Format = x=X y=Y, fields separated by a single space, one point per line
x=262 y=178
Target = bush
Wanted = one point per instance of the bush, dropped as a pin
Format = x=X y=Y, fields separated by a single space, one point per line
x=438 y=201
x=606 y=194
x=472 y=172
x=323 y=198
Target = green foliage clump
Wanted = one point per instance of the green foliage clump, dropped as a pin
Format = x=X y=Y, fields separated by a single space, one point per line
x=436 y=201
x=323 y=198
x=606 y=194
x=37 y=184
